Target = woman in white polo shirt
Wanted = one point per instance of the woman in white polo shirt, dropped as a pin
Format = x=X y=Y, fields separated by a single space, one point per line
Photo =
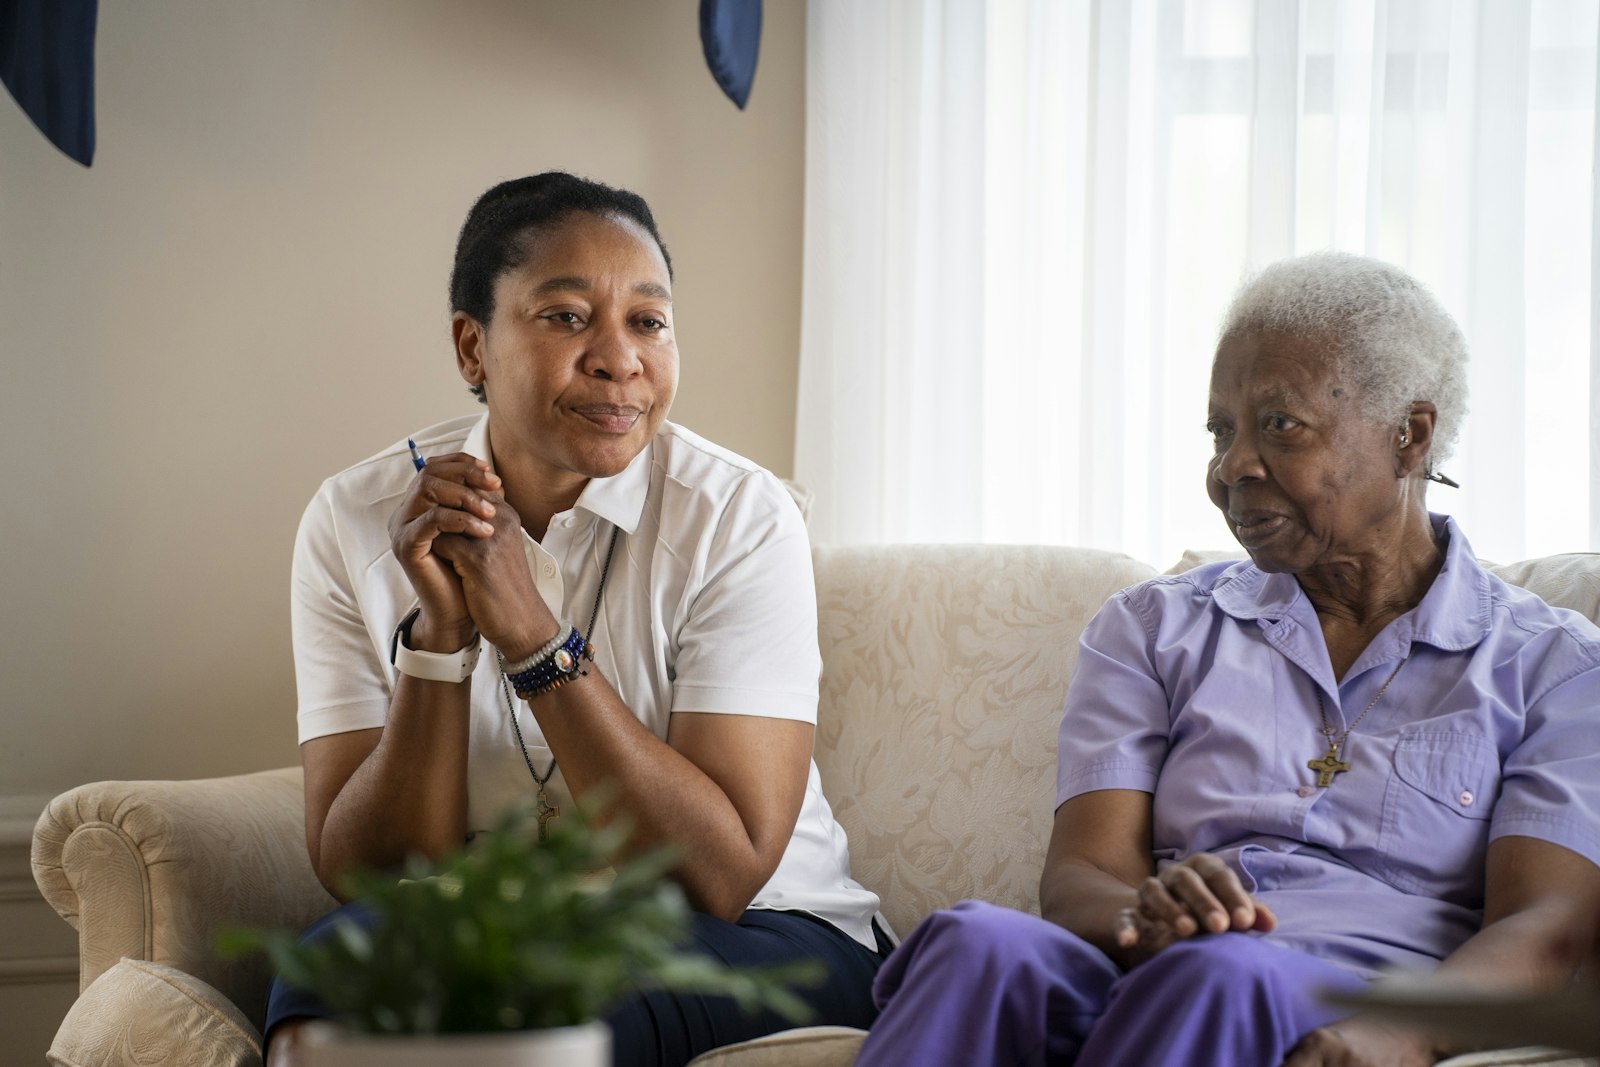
x=443 y=615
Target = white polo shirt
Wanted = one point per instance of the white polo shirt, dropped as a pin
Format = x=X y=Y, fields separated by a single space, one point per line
x=710 y=606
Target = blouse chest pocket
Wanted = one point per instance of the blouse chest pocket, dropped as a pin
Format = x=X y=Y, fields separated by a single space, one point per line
x=1436 y=810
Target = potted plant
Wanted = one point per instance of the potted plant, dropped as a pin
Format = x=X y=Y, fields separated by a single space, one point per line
x=507 y=953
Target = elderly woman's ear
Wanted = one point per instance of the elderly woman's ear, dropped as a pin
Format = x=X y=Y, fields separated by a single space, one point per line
x=1414 y=440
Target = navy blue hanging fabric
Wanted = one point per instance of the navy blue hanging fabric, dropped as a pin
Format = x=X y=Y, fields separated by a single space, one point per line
x=47 y=61
x=730 y=33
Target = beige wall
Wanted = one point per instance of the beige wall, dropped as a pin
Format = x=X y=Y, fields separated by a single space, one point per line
x=247 y=293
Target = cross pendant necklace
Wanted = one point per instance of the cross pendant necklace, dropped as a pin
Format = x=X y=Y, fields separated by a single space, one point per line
x=1330 y=764
x=545 y=811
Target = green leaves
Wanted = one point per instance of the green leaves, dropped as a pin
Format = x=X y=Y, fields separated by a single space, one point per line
x=514 y=934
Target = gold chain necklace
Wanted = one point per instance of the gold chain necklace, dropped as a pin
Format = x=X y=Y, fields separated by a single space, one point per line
x=1330 y=764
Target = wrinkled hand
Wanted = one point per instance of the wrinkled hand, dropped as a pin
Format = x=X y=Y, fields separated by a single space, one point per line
x=447 y=498
x=1200 y=894
x=1356 y=1043
x=496 y=584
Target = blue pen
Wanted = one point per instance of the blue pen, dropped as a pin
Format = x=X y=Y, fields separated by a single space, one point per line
x=416 y=457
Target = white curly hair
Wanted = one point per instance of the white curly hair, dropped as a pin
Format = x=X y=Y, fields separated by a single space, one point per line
x=1393 y=339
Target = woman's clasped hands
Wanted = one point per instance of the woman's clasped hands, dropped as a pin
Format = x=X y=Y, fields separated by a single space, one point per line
x=460 y=544
x=1202 y=895
x=1197 y=895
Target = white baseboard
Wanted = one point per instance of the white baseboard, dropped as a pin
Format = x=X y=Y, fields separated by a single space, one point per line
x=36 y=946
x=39 y=970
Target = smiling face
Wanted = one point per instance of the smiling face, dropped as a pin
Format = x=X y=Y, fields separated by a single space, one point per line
x=1302 y=476
x=578 y=362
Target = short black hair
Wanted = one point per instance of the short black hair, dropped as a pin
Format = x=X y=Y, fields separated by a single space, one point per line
x=493 y=241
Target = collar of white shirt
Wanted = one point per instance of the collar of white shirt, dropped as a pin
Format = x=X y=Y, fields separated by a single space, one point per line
x=618 y=499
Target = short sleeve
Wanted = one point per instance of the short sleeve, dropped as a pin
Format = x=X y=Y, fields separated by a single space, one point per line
x=342 y=685
x=1550 y=785
x=1116 y=723
x=748 y=645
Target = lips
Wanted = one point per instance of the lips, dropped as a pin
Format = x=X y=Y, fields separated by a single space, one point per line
x=1253 y=527
x=610 y=418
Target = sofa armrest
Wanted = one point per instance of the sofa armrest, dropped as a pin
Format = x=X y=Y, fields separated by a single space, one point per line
x=151 y=870
x=140 y=1012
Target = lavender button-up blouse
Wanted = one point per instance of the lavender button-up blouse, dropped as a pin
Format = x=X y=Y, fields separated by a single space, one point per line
x=1201 y=689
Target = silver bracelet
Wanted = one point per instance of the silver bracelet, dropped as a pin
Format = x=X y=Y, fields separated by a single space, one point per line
x=562 y=634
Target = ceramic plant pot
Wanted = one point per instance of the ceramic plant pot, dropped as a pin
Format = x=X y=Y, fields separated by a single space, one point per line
x=569 y=1046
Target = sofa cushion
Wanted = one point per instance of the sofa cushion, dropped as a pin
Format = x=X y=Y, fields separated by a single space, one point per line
x=139 y=1012
x=809 y=1046
x=944 y=672
x=1570 y=580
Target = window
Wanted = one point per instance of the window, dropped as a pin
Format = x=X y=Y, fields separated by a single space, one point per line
x=1025 y=220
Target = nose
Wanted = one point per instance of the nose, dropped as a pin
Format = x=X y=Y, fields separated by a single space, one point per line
x=613 y=354
x=1239 y=462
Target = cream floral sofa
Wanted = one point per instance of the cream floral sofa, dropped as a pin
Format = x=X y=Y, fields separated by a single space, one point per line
x=944 y=669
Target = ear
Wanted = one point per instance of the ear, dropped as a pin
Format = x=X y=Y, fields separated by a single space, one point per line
x=1414 y=441
x=471 y=341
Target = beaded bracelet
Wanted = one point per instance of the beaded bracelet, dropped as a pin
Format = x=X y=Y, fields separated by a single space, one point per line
x=555 y=670
x=564 y=631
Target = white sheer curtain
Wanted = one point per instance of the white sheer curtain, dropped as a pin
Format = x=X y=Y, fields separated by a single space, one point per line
x=1024 y=219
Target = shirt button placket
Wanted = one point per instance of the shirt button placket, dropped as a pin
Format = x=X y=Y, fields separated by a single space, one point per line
x=546 y=575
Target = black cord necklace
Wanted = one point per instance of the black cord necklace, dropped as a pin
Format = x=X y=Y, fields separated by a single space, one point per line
x=546 y=810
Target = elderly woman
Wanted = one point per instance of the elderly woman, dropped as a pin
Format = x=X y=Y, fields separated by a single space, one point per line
x=647 y=602
x=1356 y=751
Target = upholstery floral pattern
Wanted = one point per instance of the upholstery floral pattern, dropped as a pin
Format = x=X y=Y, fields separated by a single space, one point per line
x=944 y=671
x=143 y=1013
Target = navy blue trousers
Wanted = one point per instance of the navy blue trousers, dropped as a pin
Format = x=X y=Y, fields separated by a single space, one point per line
x=660 y=1029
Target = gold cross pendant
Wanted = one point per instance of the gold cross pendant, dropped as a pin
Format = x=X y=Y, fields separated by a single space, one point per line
x=545 y=813
x=1329 y=765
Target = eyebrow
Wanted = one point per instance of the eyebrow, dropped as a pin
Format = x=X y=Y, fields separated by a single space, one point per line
x=573 y=283
x=1286 y=397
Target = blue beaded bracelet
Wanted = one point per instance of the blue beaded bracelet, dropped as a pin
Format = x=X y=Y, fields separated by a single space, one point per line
x=562 y=635
x=555 y=670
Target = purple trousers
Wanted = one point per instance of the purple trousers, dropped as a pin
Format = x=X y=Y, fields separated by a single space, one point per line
x=983 y=985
